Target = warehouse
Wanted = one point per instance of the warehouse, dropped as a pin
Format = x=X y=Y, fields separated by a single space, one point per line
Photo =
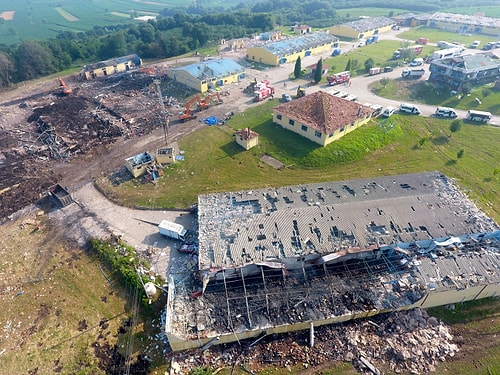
x=362 y=28
x=465 y=24
x=284 y=259
x=208 y=75
x=289 y=50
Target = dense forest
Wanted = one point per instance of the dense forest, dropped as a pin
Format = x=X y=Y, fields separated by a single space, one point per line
x=178 y=31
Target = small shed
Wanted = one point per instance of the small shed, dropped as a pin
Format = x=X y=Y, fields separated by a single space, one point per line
x=165 y=155
x=138 y=165
x=246 y=138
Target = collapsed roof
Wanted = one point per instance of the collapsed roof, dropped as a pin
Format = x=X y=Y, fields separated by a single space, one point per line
x=279 y=259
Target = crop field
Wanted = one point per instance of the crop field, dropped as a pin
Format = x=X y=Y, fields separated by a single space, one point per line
x=44 y=19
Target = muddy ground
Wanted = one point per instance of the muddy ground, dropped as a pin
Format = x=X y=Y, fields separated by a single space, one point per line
x=48 y=138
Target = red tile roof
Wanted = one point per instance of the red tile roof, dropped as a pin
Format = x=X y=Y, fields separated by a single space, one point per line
x=323 y=112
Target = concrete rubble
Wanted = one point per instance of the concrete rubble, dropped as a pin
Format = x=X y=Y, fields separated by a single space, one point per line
x=402 y=342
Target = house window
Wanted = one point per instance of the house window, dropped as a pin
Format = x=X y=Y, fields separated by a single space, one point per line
x=304 y=128
x=279 y=117
x=330 y=135
x=352 y=124
x=342 y=129
x=291 y=122
x=317 y=134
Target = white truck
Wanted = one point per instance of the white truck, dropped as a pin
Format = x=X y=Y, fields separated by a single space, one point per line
x=412 y=73
x=172 y=230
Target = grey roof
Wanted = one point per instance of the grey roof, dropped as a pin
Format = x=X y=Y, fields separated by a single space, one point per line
x=238 y=228
x=466 y=19
x=301 y=43
x=366 y=24
x=134 y=59
x=474 y=62
x=212 y=68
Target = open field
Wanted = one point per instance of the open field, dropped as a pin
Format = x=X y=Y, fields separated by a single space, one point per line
x=227 y=167
x=436 y=35
x=380 y=52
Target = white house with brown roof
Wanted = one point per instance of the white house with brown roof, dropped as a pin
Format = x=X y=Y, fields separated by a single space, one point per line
x=246 y=138
x=321 y=117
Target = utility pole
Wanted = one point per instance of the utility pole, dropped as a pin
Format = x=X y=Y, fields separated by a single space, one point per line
x=165 y=116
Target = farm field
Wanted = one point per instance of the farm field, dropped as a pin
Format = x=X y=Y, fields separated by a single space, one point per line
x=44 y=19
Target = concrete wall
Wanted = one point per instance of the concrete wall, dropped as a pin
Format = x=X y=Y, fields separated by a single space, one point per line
x=264 y=56
x=315 y=136
x=202 y=86
x=247 y=144
x=348 y=32
x=467 y=29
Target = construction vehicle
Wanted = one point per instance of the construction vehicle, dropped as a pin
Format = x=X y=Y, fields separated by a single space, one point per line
x=301 y=92
x=263 y=90
x=187 y=114
x=251 y=87
x=412 y=73
x=338 y=78
x=205 y=102
x=65 y=89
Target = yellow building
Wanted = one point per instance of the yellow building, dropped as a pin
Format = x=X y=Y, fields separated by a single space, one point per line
x=246 y=138
x=362 y=28
x=289 y=50
x=110 y=67
x=465 y=24
x=321 y=117
x=208 y=74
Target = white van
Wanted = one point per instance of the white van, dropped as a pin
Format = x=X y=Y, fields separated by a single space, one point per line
x=478 y=116
x=445 y=112
x=409 y=108
x=388 y=111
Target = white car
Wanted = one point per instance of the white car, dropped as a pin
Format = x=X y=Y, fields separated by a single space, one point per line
x=388 y=111
x=409 y=108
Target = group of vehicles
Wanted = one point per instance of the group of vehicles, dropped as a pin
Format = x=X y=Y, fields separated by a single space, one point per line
x=440 y=112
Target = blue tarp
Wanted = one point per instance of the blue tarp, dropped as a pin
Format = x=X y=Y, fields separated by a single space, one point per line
x=212 y=120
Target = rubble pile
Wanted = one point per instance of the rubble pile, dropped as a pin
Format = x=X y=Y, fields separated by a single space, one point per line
x=404 y=341
x=44 y=128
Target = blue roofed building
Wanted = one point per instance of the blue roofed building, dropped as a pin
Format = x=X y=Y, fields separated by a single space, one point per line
x=208 y=75
x=289 y=50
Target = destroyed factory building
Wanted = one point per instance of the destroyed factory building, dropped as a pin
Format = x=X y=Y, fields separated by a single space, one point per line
x=292 y=258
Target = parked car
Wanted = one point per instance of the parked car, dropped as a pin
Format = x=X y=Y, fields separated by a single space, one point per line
x=475 y=44
x=445 y=112
x=388 y=111
x=388 y=69
x=409 y=108
x=285 y=98
x=417 y=62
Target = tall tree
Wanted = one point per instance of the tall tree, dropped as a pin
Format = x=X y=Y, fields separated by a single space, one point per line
x=298 y=68
x=6 y=70
x=369 y=63
x=348 y=65
x=319 y=71
x=33 y=61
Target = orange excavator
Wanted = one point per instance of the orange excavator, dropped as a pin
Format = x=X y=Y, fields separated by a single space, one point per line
x=187 y=115
x=65 y=89
x=204 y=103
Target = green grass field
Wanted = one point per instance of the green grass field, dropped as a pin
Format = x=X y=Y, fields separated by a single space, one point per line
x=424 y=92
x=363 y=153
x=437 y=35
x=45 y=19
